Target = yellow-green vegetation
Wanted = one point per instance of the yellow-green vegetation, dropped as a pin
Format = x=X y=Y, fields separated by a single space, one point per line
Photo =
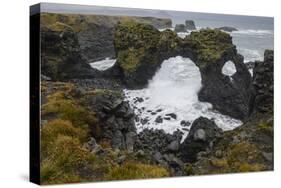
x=80 y=22
x=67 y=108
x=135 y=170
x=241 y=157
x=169 y=41
x=209 y=45
x=266 y=127
x=57 y=127
x=135 y=44
x=135 y=35
x=64 y=156
x=64 y=160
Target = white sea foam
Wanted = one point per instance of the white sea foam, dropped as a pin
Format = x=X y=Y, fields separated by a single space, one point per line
x=253 y=32
x=250 y=55
x=174 y=89
x=103 y=64
x=228 y=68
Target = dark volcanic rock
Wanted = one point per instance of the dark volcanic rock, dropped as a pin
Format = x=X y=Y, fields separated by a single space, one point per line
x=210 y=50
x=151 y=141
x=251 y=64
x=61 y=55
x=190 y=25
x=161 y=148
x=203 y=131
x=228 y=29
x=116 y=116
x=262 y=91
x=250 y=146
x=159 y=119
x=180 y=28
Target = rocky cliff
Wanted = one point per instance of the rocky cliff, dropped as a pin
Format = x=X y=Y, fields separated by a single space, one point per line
x=95 y=32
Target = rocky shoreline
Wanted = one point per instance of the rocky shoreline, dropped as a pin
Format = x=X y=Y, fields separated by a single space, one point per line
x=98 y=125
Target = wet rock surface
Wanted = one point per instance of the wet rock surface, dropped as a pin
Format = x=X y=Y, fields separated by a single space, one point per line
x=203 y=131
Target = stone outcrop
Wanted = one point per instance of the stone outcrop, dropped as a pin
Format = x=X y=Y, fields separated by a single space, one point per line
x=180 y=28
x=116 y=117
x=61 y=56
x=228 y=29
x=262 y=87
x=190 y=25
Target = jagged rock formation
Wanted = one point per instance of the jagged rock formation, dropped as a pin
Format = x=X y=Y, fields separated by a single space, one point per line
x=61 y=56
x=115 y=115
x=262 y=91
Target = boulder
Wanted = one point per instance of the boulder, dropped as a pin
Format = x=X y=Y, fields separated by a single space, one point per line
x=203 y=131
x=180 y=28
x=228 y=29
x=190 y=25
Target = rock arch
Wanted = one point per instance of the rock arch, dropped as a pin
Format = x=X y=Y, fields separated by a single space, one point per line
x=140 y=50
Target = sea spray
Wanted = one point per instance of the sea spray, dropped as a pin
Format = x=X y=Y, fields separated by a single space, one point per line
x=172 y=97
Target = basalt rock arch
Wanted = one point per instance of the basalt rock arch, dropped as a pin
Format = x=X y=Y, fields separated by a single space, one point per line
x=140 y=49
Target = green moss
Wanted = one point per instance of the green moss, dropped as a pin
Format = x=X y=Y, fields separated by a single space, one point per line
x=209 y=45
x=130 y=59
x=169 y=41
x=188 y=169
x=135 y=44
x=134 y=170
x=266 y=128
x=135 y=35
x=59 y=27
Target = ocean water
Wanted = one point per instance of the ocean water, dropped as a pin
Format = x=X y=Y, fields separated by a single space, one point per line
x=175 y=86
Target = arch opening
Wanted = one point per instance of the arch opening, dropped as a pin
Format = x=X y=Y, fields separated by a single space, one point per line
x=170 y=101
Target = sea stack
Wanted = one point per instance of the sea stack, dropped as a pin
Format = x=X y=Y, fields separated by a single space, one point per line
x=190 y=25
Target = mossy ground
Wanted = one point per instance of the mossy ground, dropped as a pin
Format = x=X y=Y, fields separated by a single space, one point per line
x=64 y=159
x=241 y=150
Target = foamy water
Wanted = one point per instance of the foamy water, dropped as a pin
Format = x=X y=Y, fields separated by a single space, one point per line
x=103 y=64
x=174 y=90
